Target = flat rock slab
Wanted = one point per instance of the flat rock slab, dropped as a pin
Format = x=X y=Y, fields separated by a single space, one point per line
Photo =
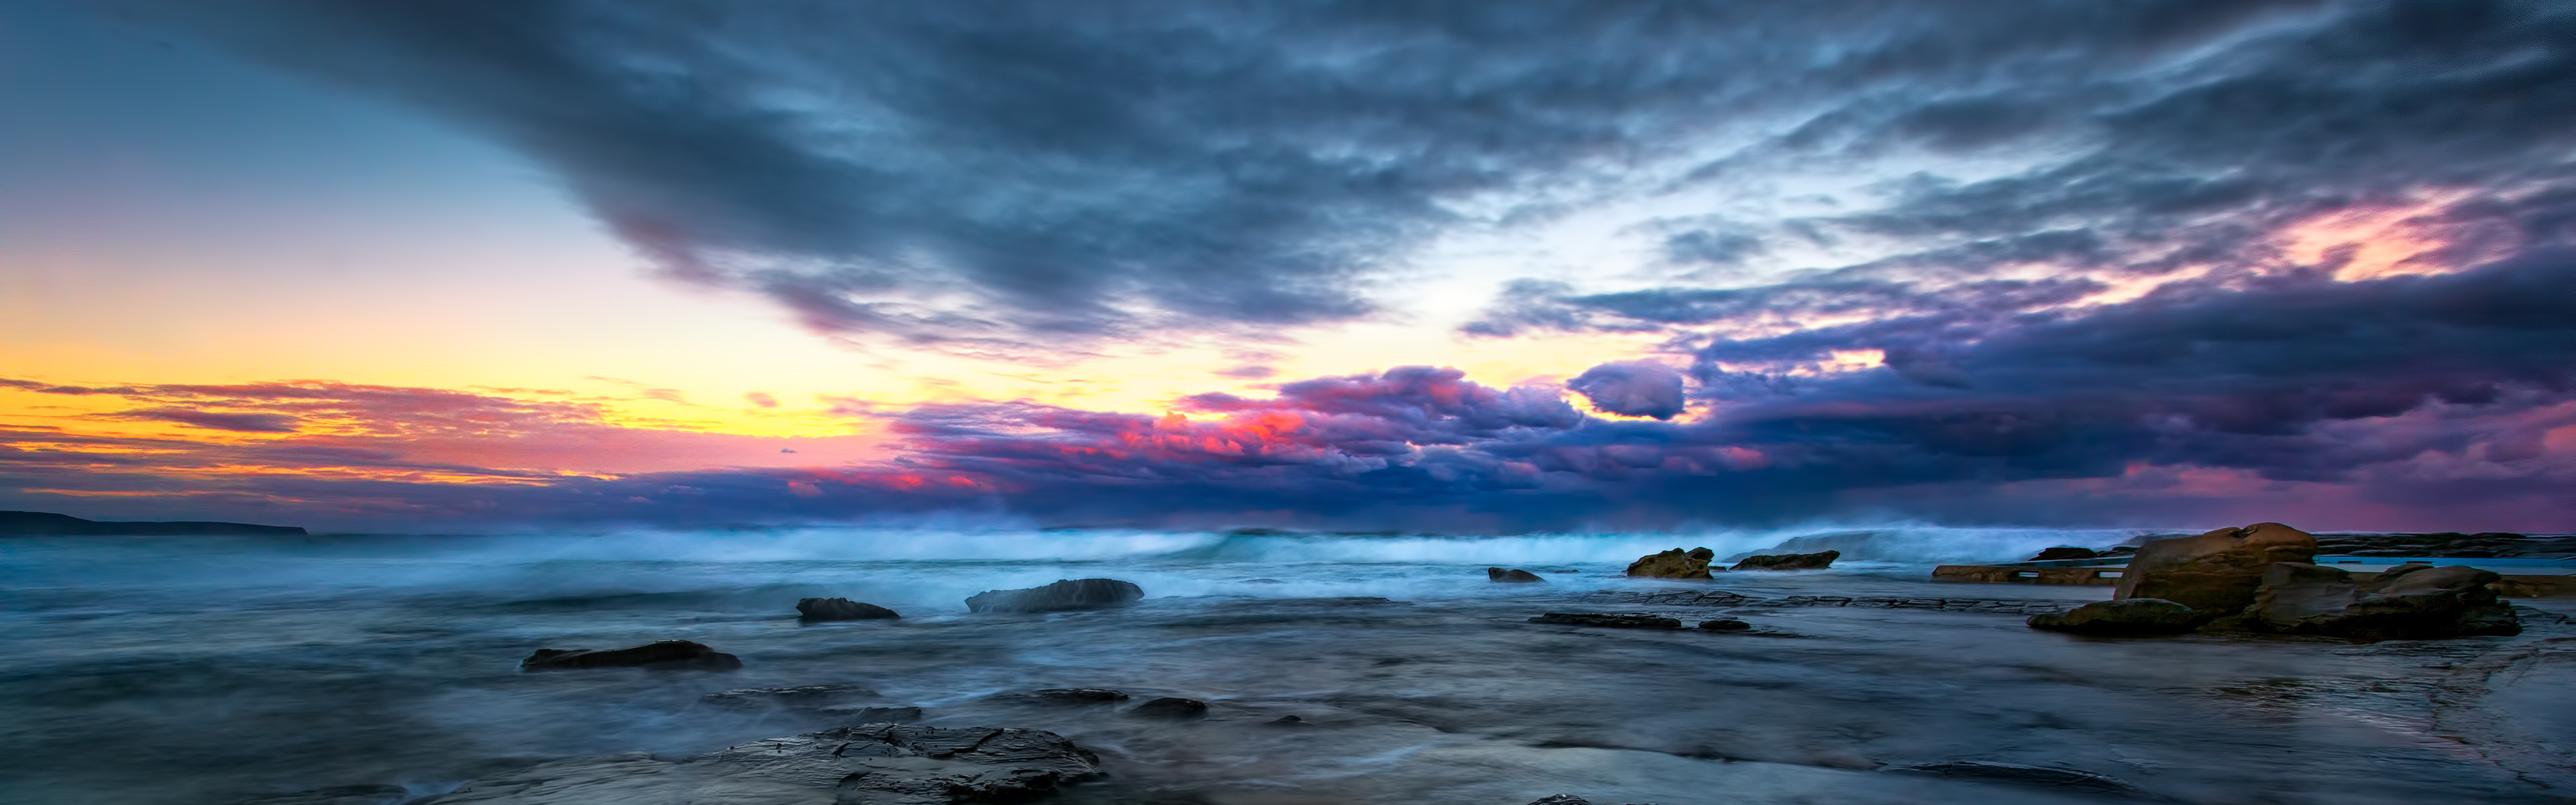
x=1611 y=620
x=2043 y=777
x=666 y=654
x=1722 y=598
x=878 y=764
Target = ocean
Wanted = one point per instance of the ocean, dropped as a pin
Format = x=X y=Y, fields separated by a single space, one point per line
x=219 y=669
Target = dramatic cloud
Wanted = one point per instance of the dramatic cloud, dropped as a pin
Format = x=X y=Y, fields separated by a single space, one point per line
x=1030 y=173
x=1634 y=388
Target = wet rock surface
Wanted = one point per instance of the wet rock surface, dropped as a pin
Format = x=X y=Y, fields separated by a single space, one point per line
x=2134 y=616
x=879 y=764
x=1063 y=596
x=1673 y=564
x=2063 y=552
x=2069 y=780
x=666 y=654
x=1609 y=620
x=857 y=714
x=337 y=795
x=1171 y=707
x=1789 y=561
x=1514 y=576
x=842 y=609
x=2215 y=572
x=1070 y=696
x=2448 y=544
x=1725 y=598
x=1725 y=625
x=800 y=697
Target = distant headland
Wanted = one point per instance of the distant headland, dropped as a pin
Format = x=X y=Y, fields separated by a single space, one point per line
x=29 y=524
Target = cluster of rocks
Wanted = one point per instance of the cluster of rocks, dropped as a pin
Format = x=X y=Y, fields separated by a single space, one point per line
x=1724 y=598
x=2262 y=578
x=1694 y=563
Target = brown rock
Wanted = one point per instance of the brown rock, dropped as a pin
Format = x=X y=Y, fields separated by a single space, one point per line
x=2408 y=602
x=1673 y=564
x=2131 y=616
x=2214 y=572
x=1789 y=561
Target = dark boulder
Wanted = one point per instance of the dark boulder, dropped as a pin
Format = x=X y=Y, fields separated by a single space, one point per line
x=2064 y=552
x=1789 y=561
x=667 y=654
x=1071 y=696
x=1725 y=625
x=1286 y=721
x=1516 y=576
x=806 y=697
x=1062 y=596
x=2133 y=616
x=877 y=764
x=1673 y=564
x=1171 y=707
x=2216 y=572
x=842 y=609
x=2408 y=602
x=1613 y=620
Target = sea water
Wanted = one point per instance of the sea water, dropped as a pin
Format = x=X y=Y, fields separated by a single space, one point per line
x=213 y=669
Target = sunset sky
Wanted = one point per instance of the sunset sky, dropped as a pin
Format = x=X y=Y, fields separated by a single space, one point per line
x=428 y=266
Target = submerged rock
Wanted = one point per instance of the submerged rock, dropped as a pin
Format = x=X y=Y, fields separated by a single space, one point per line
x=1171 y=707
x=1725 y=625
x=2216 y=572
x=1286 y=721
x=2133 y=616
x=842 y=609
x=1673 y=564
x=2064 y=552
x=803 y=697
x=2407 y=602
x=1071 y=696
x=855 y=714
x=877 y=764
x=1063 y=596
x=1613 y=620
x=1499 y=574
x=1789 y=561
x=2014 y=774
x=337 y=795
x=671 y=654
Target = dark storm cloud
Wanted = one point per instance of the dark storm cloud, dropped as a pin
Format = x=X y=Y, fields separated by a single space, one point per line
x=1036 y=171
x=245 y=423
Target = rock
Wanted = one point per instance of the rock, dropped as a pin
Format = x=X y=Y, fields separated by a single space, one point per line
x=1789 y=561
x=1171 y=707
x=2013 y=774
x=1286 y=721
x=1562 y=799
x=876 y=764
x=806 y=697
x=337 y=795
x=855 y=714
x=1673 y=564
x=1614 y=620
x=2064 y=552
x=1062 y=596
x=2216 y=572
x=666 y=654
x=1499 y=574
x=2133 y=616
x=842 y=609
x=1725 y=625
x=1072 y=696
x=2407 y=602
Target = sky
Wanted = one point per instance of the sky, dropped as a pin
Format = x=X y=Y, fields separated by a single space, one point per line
x=1442 y=267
